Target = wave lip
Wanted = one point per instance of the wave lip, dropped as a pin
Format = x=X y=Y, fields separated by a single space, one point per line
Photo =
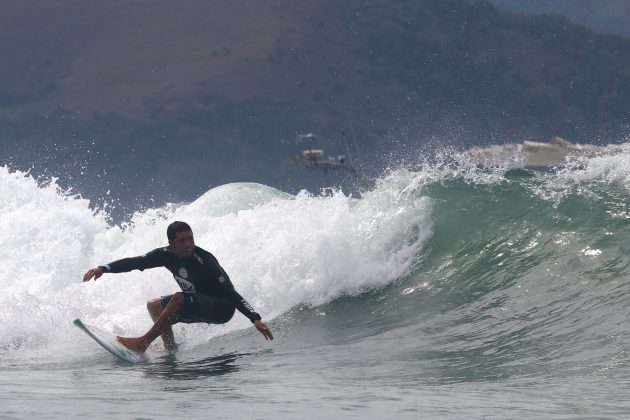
x=234 y=197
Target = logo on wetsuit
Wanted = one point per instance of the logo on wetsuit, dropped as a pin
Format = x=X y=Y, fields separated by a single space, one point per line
x=185 y=285
x=248 y=306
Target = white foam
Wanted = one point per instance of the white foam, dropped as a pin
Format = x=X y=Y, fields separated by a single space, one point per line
x=279 y=250
x=613 y=166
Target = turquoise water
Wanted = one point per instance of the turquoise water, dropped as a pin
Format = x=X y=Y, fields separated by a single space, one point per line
x=447 y=291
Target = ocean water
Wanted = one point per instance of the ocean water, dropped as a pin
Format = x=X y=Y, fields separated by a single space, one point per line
x=447 y=291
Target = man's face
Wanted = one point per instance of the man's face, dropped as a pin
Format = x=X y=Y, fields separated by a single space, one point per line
x=183 y=245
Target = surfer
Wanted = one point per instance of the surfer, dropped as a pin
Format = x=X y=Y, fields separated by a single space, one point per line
x=207 y=293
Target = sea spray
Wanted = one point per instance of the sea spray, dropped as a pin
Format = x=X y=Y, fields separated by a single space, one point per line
x=280 y=251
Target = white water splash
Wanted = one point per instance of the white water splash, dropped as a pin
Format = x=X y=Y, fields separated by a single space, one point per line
x=280 y=251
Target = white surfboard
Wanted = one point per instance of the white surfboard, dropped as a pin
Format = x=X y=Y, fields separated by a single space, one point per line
x=107 y=339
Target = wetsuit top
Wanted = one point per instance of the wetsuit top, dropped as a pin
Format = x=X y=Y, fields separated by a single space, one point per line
x=200 y=273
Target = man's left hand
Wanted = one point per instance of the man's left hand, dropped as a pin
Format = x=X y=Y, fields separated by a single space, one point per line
x=263 y=329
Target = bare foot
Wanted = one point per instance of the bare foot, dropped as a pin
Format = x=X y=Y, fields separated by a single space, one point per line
x=135 y=344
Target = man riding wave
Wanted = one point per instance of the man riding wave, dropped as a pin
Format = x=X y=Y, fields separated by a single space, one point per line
x=207 y=293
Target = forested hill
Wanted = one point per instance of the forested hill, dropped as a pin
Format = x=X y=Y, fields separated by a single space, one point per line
x=213 y=92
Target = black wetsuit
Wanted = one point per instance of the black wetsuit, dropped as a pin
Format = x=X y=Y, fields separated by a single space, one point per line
x=209 y=293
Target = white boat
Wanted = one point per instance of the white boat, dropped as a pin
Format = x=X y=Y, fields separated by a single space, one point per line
x=557 y=152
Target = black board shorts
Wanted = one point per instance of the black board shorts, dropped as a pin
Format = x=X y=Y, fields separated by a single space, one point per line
x=202 y=308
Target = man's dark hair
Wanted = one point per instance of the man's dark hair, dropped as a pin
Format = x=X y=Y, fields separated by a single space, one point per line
x=175 y=227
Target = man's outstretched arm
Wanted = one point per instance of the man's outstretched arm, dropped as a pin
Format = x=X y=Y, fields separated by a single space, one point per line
x=246 y=309
x=155 y=258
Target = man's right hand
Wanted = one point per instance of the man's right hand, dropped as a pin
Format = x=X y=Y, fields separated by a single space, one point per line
x=93 y=273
